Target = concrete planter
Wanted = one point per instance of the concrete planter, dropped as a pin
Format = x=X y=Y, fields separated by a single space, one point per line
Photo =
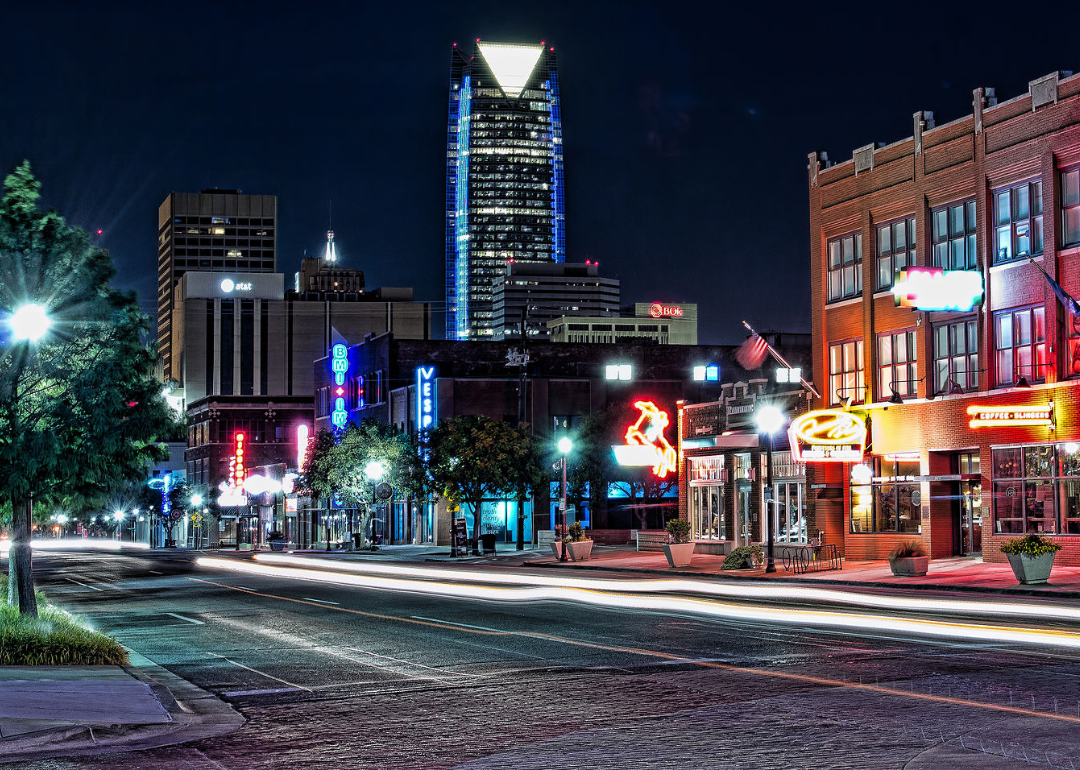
x=1031 y=570
x=679 y=554
x=580 y=551
x=910 y=566
x=556 y=548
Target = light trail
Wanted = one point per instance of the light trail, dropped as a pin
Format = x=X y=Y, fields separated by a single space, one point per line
x=76 y=544
x=702 y=607
x=710 y=588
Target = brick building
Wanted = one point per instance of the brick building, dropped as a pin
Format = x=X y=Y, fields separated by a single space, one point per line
x=970 y=400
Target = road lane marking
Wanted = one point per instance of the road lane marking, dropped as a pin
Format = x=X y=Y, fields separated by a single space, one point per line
x=84 y=585
x=154 y=572
x=321 y=601
x=783 y=675
x=271 y=691
x=189 y=620
x=459 y=625
x=442 y=671
x=260 y=673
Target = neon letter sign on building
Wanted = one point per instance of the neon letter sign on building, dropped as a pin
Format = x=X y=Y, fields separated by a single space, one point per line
x=1023 y=415
x=827 y=436
x=645 y=441
x=425 y=397
x=340 y=365
x=932 y=288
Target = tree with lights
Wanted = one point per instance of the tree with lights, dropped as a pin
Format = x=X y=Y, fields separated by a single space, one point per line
x=80 y=410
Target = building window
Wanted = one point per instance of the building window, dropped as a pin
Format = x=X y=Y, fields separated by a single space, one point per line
x=1020 y=345
x=845 y=371
x=1037 y=489
x=891 y=502
x=954 y=236
x=845 y=266
x=895 y=250
x=898 y=370
x=1018 y=222
x=1070 y=207
x=956 y=355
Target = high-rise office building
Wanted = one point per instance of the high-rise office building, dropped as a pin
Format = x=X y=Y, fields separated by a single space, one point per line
x=546 y=291
x=504 y=175
x=212 y=231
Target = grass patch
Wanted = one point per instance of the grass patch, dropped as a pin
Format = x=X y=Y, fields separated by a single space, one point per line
x=54 y=638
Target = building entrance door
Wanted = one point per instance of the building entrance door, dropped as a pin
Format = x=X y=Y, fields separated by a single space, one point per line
x=742 y=512
x=967 y=509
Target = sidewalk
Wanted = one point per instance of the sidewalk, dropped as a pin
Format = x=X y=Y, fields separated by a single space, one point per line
x=76 y=710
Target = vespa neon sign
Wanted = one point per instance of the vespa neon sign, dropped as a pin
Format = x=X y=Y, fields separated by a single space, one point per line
x=425 y=397
x=645 y=442
x=827 y=435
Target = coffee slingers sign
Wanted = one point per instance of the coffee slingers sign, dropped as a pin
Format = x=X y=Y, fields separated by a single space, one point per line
x=827 y=436
x=1019 y=415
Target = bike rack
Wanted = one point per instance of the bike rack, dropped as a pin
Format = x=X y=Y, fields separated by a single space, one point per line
x=813 y=558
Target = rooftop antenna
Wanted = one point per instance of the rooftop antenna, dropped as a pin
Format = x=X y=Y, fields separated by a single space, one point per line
x=331 y=252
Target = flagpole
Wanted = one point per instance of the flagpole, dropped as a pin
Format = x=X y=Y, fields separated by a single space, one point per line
x=780 y=360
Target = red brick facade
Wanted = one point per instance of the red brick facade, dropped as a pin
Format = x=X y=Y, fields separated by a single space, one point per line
x=1031 y=138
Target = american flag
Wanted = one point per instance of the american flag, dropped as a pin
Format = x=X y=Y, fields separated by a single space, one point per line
x=751 y=353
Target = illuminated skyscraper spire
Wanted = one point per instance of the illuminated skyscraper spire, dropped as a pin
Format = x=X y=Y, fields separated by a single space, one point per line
x=331 y=252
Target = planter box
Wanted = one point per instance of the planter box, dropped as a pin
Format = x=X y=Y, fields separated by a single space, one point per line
x=580 y=551
x=556 y=548
x=910 y=566
x=1031 y=570
x=277 y=545
x=678 y=554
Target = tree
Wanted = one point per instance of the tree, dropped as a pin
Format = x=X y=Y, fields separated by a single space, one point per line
x=473 y=456
x=179 y=501
x=336 y=464
x=527 y=471
x=80 y=410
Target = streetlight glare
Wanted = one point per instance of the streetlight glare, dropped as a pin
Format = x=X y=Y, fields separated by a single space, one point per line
x=196 y=499
x=565 y=445
x=769 y=419
x=374 y=470
x=118 y=515
x=30 y=322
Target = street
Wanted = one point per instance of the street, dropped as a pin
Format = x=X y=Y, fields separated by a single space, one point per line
x=333 y=675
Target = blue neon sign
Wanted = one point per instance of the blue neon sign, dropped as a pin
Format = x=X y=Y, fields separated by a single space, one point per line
x=339 y=364
x=425 y=397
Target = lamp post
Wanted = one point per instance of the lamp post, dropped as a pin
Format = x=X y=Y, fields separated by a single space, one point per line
x=374 y=470
x=565 y=445
x=769 y=419
x=118 y=517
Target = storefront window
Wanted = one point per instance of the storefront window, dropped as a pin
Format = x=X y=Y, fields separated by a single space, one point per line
x=892 y=502
x=1037 y=489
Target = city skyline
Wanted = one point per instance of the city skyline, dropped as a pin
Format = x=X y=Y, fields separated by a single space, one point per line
x=688 y=147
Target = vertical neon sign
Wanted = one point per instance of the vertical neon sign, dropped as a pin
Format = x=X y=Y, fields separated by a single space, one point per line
x=238 y=456
x=340 y=365
x=425 y=397
x=301 y=445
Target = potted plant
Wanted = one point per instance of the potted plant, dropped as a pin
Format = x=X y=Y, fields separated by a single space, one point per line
x=579 y=544
x=744 y=557
x=1031 y=557
x=557 y=543
x=277 y=540
x=680 y=550
x=909 y=559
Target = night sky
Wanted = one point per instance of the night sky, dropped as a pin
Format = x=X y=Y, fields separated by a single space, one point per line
x=686 y=129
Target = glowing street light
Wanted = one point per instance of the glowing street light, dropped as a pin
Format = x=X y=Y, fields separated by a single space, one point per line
x=564 y=445
x=30 y=323
x=769 y=420
x=196 y=499
x=374 y=470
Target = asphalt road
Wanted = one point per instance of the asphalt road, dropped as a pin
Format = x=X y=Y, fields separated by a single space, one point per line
x=334 y=676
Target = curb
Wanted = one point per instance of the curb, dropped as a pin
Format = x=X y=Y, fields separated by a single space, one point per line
x=195 y=713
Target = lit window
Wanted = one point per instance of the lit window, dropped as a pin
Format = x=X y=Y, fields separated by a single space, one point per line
x=845 y=267
x=845 y=371
x=895 y=250
x=1070 y=207
x=1018 y=221
x=954 y=236
x=956 y=355
x=699 y=373
x=1020 y=345
x=898 y=371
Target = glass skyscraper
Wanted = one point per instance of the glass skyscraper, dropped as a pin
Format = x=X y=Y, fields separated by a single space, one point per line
x=504 y=175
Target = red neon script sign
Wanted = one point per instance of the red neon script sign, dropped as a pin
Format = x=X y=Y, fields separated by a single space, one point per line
x=656 y=310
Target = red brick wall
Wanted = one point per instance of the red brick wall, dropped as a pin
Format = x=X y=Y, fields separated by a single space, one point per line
x=956 y=162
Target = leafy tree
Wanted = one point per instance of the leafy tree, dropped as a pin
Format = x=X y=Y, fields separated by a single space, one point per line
x=336 y=465
x=80 y=410
x=473 y=456
x=179 y=502
x=527 y=471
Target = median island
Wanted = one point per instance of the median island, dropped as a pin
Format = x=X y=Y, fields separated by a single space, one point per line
x=54 y=638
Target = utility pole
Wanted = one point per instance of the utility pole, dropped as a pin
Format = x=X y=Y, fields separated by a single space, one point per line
x=520 y=359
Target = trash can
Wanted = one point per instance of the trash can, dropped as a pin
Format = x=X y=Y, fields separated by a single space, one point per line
x=358 y=540
x=487 y=543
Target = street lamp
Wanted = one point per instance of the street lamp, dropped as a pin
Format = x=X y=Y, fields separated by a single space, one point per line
x=565 y=445
x=30 y=322
x=374 y=470
x=769 y=420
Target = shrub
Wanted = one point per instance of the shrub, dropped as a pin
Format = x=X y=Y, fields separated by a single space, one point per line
x=1031 y=545
x=577 y=533
x=908 y=549
x=744 y=556
x=679 y=529
x=276 y=535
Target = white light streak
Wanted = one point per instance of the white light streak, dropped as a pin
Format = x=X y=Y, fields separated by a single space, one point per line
x=75 y=544
x=651 y=603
